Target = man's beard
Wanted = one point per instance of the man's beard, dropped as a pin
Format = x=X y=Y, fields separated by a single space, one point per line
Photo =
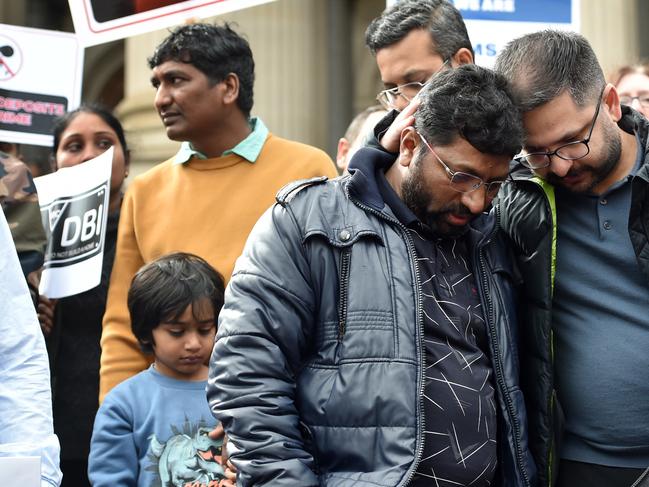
x=601 y=172
x=418 y=199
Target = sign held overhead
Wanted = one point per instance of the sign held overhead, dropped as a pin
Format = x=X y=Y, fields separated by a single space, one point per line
x=40 y=79
x=99 y=21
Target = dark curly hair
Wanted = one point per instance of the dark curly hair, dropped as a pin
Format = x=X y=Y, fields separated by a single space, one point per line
x=214 y=50
x=161 y=291
x=474 y=103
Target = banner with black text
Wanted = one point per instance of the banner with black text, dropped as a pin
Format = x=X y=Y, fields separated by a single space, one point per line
x=74 y=210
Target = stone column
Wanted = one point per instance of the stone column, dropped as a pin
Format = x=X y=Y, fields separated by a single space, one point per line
x=613 y=29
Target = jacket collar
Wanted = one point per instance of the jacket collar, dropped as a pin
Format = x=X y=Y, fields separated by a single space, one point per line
x=364 y=168
x=634 y=123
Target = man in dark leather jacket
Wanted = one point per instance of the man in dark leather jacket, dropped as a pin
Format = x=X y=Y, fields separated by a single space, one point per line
x=578 y=214
x=368 y=336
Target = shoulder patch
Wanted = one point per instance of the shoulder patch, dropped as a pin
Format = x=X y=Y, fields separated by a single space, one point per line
x=288 y=192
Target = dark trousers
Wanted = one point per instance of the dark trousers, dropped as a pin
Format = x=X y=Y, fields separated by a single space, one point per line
x=578 y=474
x=75 y=473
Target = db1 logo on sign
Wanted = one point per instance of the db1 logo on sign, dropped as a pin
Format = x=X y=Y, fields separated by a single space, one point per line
x=74 y=204
x=74 y=226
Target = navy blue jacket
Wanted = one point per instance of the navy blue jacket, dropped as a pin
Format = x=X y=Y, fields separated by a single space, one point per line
x=317 y=373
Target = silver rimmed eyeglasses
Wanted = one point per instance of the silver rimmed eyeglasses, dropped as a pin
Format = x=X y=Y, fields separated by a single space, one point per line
x=464 y=182
x=388 y=98
x=642 y=99
x=568 y=152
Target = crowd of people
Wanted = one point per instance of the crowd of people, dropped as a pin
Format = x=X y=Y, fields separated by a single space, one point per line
x=420 y=320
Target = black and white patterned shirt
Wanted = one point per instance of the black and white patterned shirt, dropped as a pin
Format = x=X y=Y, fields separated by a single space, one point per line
x=459 y=403
x=459 y=399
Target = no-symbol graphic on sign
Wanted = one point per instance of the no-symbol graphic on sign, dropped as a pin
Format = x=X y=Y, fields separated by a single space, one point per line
x=11 y=58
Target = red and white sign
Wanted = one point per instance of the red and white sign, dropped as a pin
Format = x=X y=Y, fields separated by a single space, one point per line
x=40 y=79
x=98 y=21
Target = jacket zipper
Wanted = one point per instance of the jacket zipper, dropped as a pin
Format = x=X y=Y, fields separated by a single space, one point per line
x=420 y=332
x=345 y=259
x=552 y=398
x=497 y=362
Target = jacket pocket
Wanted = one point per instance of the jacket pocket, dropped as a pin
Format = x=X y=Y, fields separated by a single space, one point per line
x=354 y=284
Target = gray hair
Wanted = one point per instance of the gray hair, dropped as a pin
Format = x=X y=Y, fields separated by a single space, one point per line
x=542 y=65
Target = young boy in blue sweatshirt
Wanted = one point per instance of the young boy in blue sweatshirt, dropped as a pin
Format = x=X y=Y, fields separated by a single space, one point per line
x=156 y=429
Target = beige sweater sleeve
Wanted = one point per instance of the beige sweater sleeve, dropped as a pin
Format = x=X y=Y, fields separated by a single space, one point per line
x=121 y=356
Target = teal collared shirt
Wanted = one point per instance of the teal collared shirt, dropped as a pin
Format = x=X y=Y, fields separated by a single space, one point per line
x=249 y=148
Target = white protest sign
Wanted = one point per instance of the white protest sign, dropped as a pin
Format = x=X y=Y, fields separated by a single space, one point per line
x=493 y=23
x=40 y=79
x=74 y=209
x=20 y=471
x=98 y=21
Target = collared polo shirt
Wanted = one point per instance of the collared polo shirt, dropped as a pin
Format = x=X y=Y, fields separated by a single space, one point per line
x=601 y=324
x=249 y=148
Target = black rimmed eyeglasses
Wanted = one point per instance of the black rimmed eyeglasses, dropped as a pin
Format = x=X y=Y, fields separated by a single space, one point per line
x=568 y=152
x=464 y=182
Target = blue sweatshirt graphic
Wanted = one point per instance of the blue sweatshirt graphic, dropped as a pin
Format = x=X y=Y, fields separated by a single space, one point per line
x=152 y=430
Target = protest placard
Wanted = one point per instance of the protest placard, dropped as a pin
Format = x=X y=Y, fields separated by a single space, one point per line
x=98 y=21
x=40 y=79
x=74 y=210
x=491 y=24
x=20 y=471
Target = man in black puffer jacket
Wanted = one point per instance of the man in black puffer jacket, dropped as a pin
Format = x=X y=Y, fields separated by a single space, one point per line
x=368 y=336
x=578 y=214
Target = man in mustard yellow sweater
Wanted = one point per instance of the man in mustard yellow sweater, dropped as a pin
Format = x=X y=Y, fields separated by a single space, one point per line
x=207 y=198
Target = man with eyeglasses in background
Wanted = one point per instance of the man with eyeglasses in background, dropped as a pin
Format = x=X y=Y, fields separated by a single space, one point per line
x=369 y=326
x=412 y=40
x=578 y=214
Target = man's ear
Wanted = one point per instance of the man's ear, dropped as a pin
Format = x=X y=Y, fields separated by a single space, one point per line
x=612 y=102
x=341 y=155
x=408 y=145
x=461 y=56
x=231 y=88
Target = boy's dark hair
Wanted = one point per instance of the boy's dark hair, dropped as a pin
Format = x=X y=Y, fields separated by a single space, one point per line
x=474 y=103
x=440 y=18
x=214 y=50
x=161 y=291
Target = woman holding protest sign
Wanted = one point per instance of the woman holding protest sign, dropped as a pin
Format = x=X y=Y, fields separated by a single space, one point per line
x=72 y=325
